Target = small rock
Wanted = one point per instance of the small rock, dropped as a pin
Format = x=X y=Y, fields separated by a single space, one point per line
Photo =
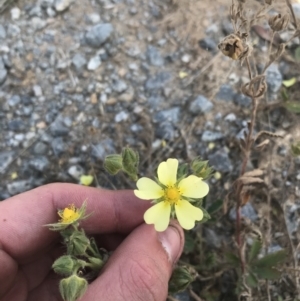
x=76 y=171
x=37 y=90
x=242 y=100
x=39 y=163
x=3 y=75
x=166 y=131
x=230 y=117
x=209 y=136
x=18 y=186
x=220 y=161
x=57 y=128
x=58 y=146
x=183 y=296
x=5 y=159
x=14 y=100
x=119 y=86
x=186 y=58
x=38 y=23
x=225 y=93
x=102 y=149
x=171 y=115
x=94 y=18
x=16 y=125
x=274 y=79
x=78 y=61
x=158 y=81
x=200 y=105
x=99 y=34
x=246 y=211
x=122 y=116
x=61 y=5
x=94 y=63
x=40 y=148
x=154 y=57
x=208 y=44
x=15 y=13
x=2 y=32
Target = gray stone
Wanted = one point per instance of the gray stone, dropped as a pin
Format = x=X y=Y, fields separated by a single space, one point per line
x=166 y=131
x=200 y=105
x=99 y=34
x=208 y=44
x=225 y=93
x=16 y=125
x=39 y=163
x=13 y=30
x=119 y=86
x=79 y=61
x=246 y=211
x=296 y=8
x=242 y=100
x=58 y=146
x=220 y=161
x=3 y=75
x=57 y=128
x=5 y=159
x=15 y=13
x=209 y=136
x=2 y=32
x=47 y=3
x=171 y=115
x=154 y=57
x=76 y=171
x=94 y=63
x=19 y=186
x=38 y=23
x=183 y=296
x=61 y=5
x=40 y=148
x=103 y=148
x=230 y=117
x=122 y=116
x=158 y=81
x=274 y=79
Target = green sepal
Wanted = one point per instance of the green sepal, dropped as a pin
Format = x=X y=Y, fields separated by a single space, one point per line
x=113 y=164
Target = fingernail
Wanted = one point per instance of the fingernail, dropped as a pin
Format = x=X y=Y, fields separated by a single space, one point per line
x=172 y=241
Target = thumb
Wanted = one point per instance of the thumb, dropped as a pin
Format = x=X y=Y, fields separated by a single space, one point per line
x=141 y=266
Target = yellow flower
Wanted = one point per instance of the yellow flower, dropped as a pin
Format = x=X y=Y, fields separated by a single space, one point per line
x=171 y=194
x=69 y=215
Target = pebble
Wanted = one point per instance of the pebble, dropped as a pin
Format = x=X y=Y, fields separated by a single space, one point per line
x=58 y=146
x=6 y=158
x=40 y=148
x=209 y=136
x=3 y=75
x=158 y=81
x=79 y=61
x=166 y=131
x=242 y=100
x=246 y=211
x=39 y=163
x=20 y=186
x=171 y=115
x=119 y=86
x=99 y=34
x=225 y=93
x=186 y=58
x=274 y=79
x=16 y=125
x=15 y=13
x=200 y=105
x=103 y=148
x=76 y=171
x=61 y=5
x=230 y=117
x=154 y=57
x=208 y=44
x=2 y=32
x=220 y=161
x=94 y=63
x=122 y=116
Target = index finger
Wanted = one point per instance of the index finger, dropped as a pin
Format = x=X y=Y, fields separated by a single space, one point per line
x=23 y=216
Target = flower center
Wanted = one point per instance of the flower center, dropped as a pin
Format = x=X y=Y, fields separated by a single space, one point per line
x=172 y=194
x=69 y=214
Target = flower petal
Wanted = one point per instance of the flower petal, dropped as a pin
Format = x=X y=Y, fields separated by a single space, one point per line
x=148 y=189
x=159 y=215
x=167 y=172
x=187 y=214
x=193 y=187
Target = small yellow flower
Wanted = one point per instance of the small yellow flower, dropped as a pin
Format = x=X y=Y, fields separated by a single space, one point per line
x=171 y=194
x=69 y=215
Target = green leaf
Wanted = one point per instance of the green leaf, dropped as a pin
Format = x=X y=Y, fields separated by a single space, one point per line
x=206 y=215
x=285 y=94
x=254 y=251
x=268 y=273
x=215 y=206
x=296 y=148
x=190 y=242
x=252 y=280
x=297 y=54
x=182 y=171
x=271 y=260
x=232 y=259
x=293 y=106
x=289 y=82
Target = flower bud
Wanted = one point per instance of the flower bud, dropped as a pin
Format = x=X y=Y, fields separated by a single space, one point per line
x=77 y=244
x=72 y=288
x=96 y=263
x=64 y=265
x=113 y=164
x=130 y=160
x=279 y=22
x=201 y=168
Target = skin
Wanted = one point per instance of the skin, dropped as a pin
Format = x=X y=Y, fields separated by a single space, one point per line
x=139 y=268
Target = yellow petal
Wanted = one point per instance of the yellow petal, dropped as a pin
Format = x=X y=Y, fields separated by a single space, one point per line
x=148 y=189
x=159 y=215
x=187 y=214
x=167 y=172
x=86 y=180
x=193 y=187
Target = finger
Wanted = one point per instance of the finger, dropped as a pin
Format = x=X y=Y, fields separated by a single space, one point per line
x=140 y=268
x=22 y=217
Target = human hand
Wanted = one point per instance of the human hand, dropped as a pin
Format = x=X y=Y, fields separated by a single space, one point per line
x=139 y=269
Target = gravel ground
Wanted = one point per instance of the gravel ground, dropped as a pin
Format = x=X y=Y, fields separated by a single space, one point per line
x=82 y=79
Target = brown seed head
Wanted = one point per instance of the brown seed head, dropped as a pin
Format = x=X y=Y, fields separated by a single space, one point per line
x=233 y=47
x=256 y=88
x=279 y=22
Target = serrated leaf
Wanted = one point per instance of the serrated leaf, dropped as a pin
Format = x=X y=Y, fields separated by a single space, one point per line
x=289 y=82
x=268 y=273
x=215 y=206
x=232 y=259
x=252 y=280
x=254 y=251
x=189 y=244
x=293 y=106
x=297 y=54
x=271 y=260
